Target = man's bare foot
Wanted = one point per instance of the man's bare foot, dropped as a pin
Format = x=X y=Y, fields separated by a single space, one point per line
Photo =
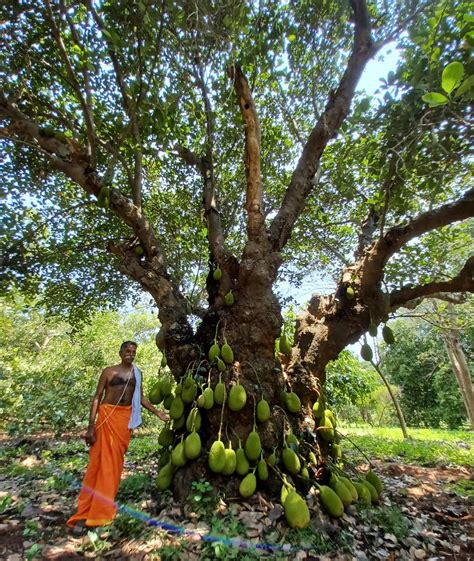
x=79 y=529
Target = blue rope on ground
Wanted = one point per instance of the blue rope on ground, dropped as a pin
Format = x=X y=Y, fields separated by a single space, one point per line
x=175 y=529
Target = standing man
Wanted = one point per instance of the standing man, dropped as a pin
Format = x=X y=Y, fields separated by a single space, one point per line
x=117 y=400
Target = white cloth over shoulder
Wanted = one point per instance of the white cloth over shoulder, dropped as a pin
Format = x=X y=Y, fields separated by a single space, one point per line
x=136 y=416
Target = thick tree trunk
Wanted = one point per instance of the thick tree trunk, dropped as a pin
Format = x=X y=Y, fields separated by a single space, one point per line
x=250 y=326
x=461 y=370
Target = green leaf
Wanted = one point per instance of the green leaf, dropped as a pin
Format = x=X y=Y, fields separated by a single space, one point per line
x=434 y=99
x=452 y=76
x=465 y=86
x=291 y=38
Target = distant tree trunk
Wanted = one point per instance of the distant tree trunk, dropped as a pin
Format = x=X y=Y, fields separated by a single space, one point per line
x=398 y=409
x=460 y=368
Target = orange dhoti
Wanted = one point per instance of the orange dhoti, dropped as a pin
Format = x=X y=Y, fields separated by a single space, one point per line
x=101 y=482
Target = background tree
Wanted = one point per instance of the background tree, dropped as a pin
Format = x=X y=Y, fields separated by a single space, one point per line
x=49 y=372
x=419 y=365
x=133 y=105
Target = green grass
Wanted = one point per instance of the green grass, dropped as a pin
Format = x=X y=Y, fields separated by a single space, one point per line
x=425 y=447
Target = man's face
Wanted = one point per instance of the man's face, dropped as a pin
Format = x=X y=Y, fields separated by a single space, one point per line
x=128 y=354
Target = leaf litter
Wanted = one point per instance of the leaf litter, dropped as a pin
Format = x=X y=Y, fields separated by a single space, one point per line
x=420 y=516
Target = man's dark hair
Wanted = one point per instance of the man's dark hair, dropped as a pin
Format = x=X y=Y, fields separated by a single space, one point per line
x=125 y=344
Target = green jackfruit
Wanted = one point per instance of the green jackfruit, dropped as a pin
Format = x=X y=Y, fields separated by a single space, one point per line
x=350 y=486
x=292 y=439
x=374 y=479
x=219 y=392
x=336 y=452
x=103 y=200
x=285 y=346
x=363 y=493
x=189 y=390
x=262 y=470
x=220 y=365
x=164 y=457
x=330 y=501
x=286 y=488
x=168 y=401
x=243 y=465
x=296 y=511
x=178 y=457
x=227 y=353
x=342 y=491
x=374 y=496
x=208 y=394
x=166 y=437
x=176 y=408
x=192 y=445
x=387 y=335
x=156 y=396
x=312 y=458
x=214 y=351
x=366 y=352
x=166 y=387
x=293 y=403
x=248 y=485
x=216 y=459
x=291 y=461
x=372 y=329
x=230 y=461
x=193 y=422
x=332 y=417
x=165 y=477
x=304 y=473
x=271 y=460
x=350 y=293
x=217 y=274
x=60 y=136
x=326 y=430
x=179 y=423
x=263 y=411
x=253 y=446
x=178 y=389
x=229 y=298
x=237 y=397
x=201 y=401
x=318 y=409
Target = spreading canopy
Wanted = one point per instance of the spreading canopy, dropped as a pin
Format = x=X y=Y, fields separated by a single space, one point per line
x=230 y=132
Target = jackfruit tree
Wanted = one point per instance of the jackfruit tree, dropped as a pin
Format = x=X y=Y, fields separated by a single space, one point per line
x=203 y=153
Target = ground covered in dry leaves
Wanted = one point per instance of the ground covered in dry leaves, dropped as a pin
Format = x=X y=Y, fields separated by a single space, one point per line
x=424 y=513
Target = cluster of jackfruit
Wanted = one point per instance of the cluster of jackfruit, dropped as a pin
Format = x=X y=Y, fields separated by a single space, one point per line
x=182 y=438
x=325 y=421
x=229 y=297
x=387 y=335
x=334 y=498
x=342 y=492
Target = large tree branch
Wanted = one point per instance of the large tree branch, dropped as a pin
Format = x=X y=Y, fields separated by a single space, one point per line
x=129 y=107
x=215 y=233
x=367 y=231
x=69 y=158
x=337 y=108
x=85 y=105
x=254 y=195
x=463 y=282
x=395 y=238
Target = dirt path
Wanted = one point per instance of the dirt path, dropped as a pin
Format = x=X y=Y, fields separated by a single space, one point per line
x=424 y=513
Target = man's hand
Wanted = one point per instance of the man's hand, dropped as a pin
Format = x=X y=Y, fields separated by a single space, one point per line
x=90 y=437
x=163 y=416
